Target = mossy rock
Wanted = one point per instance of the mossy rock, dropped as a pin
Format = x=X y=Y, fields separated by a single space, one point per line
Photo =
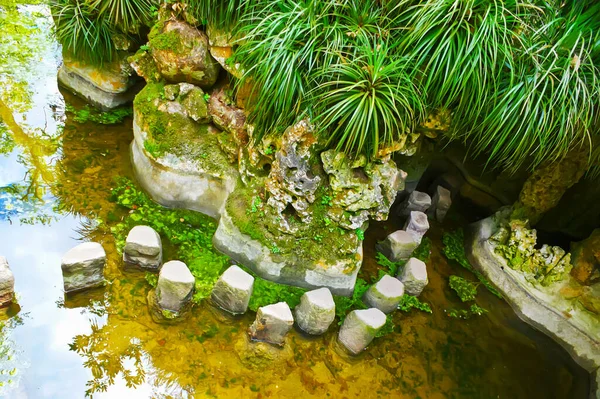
x=181 y=53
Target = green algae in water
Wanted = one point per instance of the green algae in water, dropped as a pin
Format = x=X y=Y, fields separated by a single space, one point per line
x=90 y=114
x=190 y=231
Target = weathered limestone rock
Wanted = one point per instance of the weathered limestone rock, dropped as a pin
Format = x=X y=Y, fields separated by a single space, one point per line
x=228 y=117
x=175 y=286
x=104 y=87
x=360 y=186
x=316 y=311
x=398 y=246
x=359 y=329
x=291 y=179
x=417 y=225
x=385 y=295
x=545 y=308
x=414 y=276
x=416 y=201
x=586 y=258
x=83 y=267
x=7 y=283
x=143 y=247
x=221 y=48
x=233 y=290
x=177 y=160
x=181 y=54
x=272 y=323
x=440 y=204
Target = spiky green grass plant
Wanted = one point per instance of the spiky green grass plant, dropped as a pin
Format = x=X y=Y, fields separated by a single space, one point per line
x=369 y=102
x=83 y=32
x=128 y=15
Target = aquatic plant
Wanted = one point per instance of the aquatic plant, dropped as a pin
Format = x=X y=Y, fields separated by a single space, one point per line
x=90 y=114
x=466 y=290
x=189 y=231
x=474 y=310
x=454 y=249
x=409 y=302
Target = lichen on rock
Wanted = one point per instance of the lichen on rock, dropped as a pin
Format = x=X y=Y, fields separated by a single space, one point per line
x=516 y=243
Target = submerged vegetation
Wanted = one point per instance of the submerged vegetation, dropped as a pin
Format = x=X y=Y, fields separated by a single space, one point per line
x=90 y=114
x=454 y=249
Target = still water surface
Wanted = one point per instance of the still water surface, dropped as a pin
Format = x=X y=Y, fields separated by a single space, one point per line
x=55 y=179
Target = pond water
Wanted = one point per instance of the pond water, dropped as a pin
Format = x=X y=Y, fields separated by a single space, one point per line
x=56 y=175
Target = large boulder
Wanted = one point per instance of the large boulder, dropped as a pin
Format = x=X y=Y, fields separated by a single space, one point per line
x=83 y=267
x=106 y=87
x=176 y=155
x=7 y=283
x=181 y=53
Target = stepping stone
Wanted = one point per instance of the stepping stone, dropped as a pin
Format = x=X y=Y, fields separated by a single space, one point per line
x=416 y=201
x=417 y=225
x=414 y=276
x=398 y=246
x=175 y=286
x=316 y=311
x=385 y=295
x=143 y=247
x=83 y=267
x=359 y=329
x=7 y=283
x=442 y=200
x=272 y=323
x=233 y=290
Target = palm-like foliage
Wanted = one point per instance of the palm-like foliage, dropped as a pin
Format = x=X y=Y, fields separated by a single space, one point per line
x=369 y=102
x=125 y=14
x=548 y=103
x=83 y=32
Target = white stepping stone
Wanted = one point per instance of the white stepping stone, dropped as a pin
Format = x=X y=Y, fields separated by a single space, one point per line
x=83 y=267
x=442 y=200
x=416 y=201
x=272 y=323
x=417 y=225
x=414 y=276
x=316 y=311
x=385 y=295
x=7 y=283
x=233 y=290
x=359 y=329
x=175 y=286
x=143 y=247
x=398 y=246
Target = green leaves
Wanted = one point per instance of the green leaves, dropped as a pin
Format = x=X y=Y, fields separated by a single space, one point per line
x=409 y=302
x=368 y=103
x=465 y=290
x=454 y=249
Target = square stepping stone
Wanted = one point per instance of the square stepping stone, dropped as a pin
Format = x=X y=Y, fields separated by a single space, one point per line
x=175 y=286
x=359 y=329
x=316 y=311
x=398 y=246
x=233 y=290
x=385 y=294
x=272 y=323
x=143 y=247
x=414 y=276
x=83 y=267
x=417 y=225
